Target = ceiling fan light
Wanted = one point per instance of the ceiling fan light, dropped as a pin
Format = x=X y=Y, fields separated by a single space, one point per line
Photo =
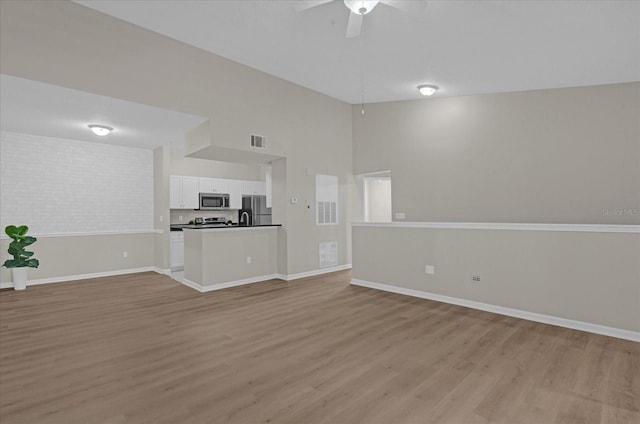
x=361 y=7
x=100 y=130
x=427 y=89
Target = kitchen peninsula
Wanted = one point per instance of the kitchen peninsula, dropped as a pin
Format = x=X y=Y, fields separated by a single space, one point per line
x=217 y=258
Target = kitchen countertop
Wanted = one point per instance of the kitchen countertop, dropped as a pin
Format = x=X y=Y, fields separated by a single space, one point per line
x=180 y=227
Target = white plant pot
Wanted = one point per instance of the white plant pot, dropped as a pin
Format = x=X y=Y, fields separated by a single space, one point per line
x=19 y=277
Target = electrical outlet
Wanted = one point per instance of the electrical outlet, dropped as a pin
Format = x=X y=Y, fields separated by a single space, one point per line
x=475 y=278
x=400 y=215
x=429 y=269
x=125 y=254
x=248 y=259
x=180 y=218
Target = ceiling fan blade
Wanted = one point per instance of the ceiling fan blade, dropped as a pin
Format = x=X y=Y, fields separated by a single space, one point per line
x=354 y=25
x=301 y=5
x=409 y=6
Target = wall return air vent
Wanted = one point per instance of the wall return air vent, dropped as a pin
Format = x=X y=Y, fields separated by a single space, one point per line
x=258 y=141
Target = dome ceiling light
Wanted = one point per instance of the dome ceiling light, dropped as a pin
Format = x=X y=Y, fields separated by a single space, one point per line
x=427 y=89
x=100 y=130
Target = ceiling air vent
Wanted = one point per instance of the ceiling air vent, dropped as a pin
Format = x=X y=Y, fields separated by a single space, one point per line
x=258 y=141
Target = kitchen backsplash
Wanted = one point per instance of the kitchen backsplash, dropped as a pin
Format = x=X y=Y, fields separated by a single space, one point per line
x=181 y=216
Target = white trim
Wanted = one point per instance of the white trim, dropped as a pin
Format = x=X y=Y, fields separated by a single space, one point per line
x=314 y=272
x=373 y=174
x=284 y=277
x=234 y=228
x=166 y=271
x=531 y=316
x=97 y=233
x=186 y=282
x=220 y=286
x=81 y=276
x=584 y=228
x=191 y=284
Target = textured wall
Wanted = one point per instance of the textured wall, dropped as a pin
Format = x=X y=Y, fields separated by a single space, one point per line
x=59 y=186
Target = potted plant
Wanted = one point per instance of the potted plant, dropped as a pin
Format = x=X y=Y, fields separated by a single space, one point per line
x=22 y=259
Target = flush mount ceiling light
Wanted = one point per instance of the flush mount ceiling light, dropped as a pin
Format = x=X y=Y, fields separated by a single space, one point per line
x=427 y=89
x=100 y=130
x=361 y=7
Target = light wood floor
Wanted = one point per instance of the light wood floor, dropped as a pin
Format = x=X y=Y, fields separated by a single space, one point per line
x=142 y=348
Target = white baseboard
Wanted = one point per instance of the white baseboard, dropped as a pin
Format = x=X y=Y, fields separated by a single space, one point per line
x=193 y=285
x=82 y=276
x=531 y=316
x=581 y=228
x=166 y=271
x=314 y=272
x=220 y=286
x=236 y=283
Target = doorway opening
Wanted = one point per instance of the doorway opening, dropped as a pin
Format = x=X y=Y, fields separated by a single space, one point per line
x=377 y=197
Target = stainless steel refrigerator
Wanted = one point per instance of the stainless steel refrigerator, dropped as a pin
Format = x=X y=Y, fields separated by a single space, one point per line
x=260 y=213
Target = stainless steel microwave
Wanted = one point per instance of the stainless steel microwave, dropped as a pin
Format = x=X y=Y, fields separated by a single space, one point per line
x=213 y=201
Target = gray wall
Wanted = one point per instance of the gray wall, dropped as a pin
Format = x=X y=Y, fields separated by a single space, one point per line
x=181 y=165
x=549 y=156
x=207 y=264
x=77 y=255
x=552 y=156
x=587 y=277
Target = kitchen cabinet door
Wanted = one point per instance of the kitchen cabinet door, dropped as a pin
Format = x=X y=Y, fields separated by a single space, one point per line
x=183 y=192
x=260 y=188
x=254 y=188
x=206 y=185
x=247 y=188
x=176 y=256
x=214 y=185
x=221 y=186
x=190 y=193
x=235 y=194
x=175 y=192
x=269 y=189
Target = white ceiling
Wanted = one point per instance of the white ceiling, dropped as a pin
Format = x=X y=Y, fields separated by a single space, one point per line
x=465 y=47
x=36 y=108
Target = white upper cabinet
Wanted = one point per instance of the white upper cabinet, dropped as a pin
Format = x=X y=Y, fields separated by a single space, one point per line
x=261 y=188
x=214 y=185
x=247 y=188
x=175 y=192
x=190 y=193
x=235 y=194
x=268 y=186
x=254 y=188
x=183 y=192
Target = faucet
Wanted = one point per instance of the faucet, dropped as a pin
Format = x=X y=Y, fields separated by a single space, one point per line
x=242 y=218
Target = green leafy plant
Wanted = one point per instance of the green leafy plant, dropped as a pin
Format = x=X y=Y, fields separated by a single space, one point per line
x=21 y=257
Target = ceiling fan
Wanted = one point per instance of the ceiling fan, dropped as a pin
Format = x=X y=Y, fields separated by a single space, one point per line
x=359 y=8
